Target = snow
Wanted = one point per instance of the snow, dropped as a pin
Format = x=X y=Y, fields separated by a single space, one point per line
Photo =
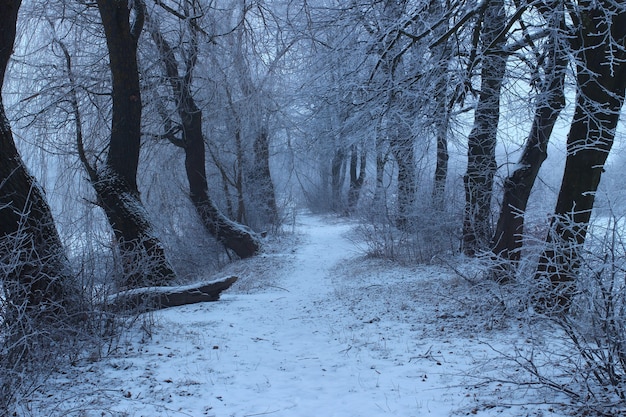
x=310 y=329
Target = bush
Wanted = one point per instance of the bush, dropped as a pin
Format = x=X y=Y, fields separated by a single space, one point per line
x=581 y=353
x=432 y=233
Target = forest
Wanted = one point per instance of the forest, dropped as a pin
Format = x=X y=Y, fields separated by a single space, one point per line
x=148 y=143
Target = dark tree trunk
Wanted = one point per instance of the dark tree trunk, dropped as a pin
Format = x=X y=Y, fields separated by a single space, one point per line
x=507 y=239
x=36 y=274
x=441 y=167
x=337 y=176
x=262 y=184
x=357 y=177
x=143 y=256
x=233 y=236
x=481 y=160
x=600 y=80
x=156 y=298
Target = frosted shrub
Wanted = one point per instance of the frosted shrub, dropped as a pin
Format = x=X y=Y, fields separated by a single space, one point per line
x=431 y=233
x=583 y=354
x=596 y=326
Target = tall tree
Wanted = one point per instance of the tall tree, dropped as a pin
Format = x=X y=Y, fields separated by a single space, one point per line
x=399 y=106
x=233 y=236
x=144 y=258
x=441 y=57
x=36 y=272
x=599 y=45
x=481 y=158
x=549 y=101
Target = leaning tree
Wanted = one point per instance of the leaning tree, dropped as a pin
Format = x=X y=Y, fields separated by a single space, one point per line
x=549 y=80
x=35 y=270
x=115 y=182
x=598 y=42
x=187 y=131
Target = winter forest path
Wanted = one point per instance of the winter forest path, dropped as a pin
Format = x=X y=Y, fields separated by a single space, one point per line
x=311 y=329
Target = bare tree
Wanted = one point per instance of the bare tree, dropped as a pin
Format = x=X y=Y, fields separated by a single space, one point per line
x=481 y=162
x=35 y=270
x=115 y=183
x=234 y=236
x=551 y=69
x=599 y=30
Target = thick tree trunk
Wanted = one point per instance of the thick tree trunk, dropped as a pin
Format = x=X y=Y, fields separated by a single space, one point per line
x=481 y=159
x=156 y=298
x=143 y=257
x=116 y=184
x=233 y=236
x=36 y=274
x=507 y=239
x=600 y=80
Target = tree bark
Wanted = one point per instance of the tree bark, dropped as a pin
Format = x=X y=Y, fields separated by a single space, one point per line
x=36 y=275
x=401 y=145
x=508 y=236
x=601 y=83
x=143 y=256
x=233 y=236
x=357 y=177
x=262 y=184
x=156 y=298
x=337 y=176
x=442 y=108
x=441 y=166
x=481 y=160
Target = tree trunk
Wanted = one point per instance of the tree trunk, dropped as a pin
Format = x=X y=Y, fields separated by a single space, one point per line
x=481 y=160
x=337 y=173
x=382 y=156
x=143 y=256
x=36 y=276
x=156 y=298
x=442 y=107
x=441 y=167
x=233 y=236
x=357 y=178
x=262 y=184
x=600 y=80
x=401 y=145
x=507 y=239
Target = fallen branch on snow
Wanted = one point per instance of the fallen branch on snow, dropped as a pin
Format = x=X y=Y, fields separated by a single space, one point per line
x=156 y=298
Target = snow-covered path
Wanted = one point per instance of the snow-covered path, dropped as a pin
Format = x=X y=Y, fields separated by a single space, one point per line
x=313 y=331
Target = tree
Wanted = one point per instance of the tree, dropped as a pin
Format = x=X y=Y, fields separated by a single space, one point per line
x=399 y=103
x=598 y=43
x=442 y=55
x=550 y=100
x=481 y=158
x=36 y=272
x=115 y=183
x=234 y=236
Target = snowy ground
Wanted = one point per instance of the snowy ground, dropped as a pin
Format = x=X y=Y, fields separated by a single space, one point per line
x=315 y=329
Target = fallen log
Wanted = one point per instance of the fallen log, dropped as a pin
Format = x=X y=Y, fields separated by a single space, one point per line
x=156 y=298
